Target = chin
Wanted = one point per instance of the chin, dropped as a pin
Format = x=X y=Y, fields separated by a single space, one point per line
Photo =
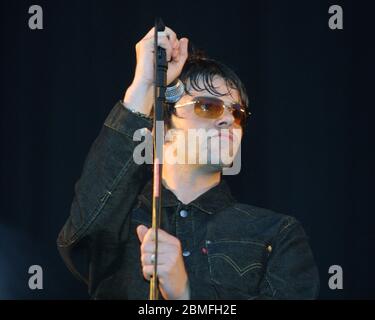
x=220 y=158
x=221 y=163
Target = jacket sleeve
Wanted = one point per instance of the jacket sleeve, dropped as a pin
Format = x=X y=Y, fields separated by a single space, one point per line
x=290 y=272
x=104 y=194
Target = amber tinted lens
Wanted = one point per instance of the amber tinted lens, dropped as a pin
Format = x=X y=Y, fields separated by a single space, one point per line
x=211 y=108
x=239 y=114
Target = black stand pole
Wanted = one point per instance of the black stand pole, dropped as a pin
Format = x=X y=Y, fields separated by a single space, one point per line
x=161 y=66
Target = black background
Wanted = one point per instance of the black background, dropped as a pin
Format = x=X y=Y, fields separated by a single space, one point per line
x=307 y=152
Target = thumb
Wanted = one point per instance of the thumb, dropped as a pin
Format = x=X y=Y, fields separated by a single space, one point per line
x=183 y=50
x=141 y=232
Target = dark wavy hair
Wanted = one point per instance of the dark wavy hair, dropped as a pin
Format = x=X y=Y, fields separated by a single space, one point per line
x=200 y=70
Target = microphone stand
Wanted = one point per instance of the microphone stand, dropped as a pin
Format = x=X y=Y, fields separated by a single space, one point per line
x=160 y=84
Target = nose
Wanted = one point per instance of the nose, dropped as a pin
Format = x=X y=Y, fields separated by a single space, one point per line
x=226 y=120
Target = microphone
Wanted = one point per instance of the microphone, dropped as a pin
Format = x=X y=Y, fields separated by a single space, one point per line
x=174 y=92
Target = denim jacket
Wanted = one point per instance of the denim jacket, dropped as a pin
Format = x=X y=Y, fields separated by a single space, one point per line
x=231 y=250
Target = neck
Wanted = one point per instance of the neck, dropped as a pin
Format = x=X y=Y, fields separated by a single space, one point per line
x=188 y=182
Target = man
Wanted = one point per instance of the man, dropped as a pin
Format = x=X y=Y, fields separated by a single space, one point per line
x=209 y=246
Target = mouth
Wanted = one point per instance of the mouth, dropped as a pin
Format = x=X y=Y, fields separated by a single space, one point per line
x=226 y=136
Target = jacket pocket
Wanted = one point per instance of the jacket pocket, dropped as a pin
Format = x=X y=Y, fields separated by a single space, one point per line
x=237 y=264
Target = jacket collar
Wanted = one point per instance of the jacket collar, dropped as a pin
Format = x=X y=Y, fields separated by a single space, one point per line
x=212 y=201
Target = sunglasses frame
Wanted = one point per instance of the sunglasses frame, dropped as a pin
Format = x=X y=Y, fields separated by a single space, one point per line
x=225 y=105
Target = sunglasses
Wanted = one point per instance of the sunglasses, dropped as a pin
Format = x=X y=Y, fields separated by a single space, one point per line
x=213 y=108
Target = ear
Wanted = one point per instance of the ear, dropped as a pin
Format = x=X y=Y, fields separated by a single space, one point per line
x=141 y=232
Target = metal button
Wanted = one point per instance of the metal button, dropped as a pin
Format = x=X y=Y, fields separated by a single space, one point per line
x=269 y=248
x=186 y=253
x=183 y=213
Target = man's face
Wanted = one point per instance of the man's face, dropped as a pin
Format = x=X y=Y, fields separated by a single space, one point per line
x=223 y=135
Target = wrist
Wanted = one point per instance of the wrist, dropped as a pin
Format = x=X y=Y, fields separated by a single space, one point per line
x=141 y=84
x=139 y=96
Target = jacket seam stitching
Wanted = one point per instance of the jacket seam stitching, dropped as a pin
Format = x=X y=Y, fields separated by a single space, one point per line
x=288 y=225
x=120 y=131
x=97 y=210
x=243 y=211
